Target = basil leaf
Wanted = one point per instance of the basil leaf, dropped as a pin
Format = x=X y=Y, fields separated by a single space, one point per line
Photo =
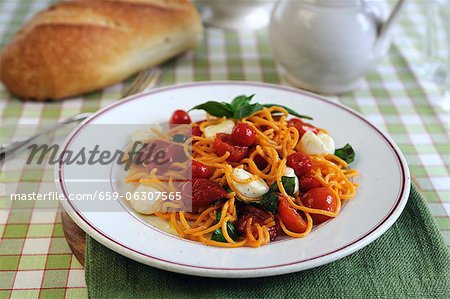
x=240 y=107
x=232 y=231
x=215 y=108
x=346 y=153
x=179 y=138
x=270 y=201
x=218 y=215
x=247 y=110
x=228 y=105
x=292 y=112
x=288 y=184
x=217 y=235
x=241 y=101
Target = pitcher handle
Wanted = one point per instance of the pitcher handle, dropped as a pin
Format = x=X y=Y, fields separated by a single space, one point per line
x=388 y=24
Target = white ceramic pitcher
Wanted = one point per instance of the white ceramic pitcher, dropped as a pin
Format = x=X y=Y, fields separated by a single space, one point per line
x=327 y=46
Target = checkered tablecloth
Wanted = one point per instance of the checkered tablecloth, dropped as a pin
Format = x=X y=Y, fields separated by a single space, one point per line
x=35 y=260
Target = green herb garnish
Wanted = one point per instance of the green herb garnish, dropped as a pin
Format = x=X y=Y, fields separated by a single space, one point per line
x=217 y=235
x=288 y=184
x=346 y=153
x=292 y=112
x=215 y=109
x=270 y=199
x=238 y=108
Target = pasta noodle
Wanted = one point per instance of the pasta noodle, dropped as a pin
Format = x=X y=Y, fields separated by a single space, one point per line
x=275 y=141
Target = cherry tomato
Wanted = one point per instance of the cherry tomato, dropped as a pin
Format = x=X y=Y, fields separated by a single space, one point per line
x=180 y=117
x=322 y=199
x=260 y=162
x=222 y=144
x=291 y=218
x=301 y=126
x=243 y=135
x=196 y=131
x=307 y=183
x=301 y=163
x=176 y=153
x=200 y=170
x=160 y=154
x=155 y=155
x=258 y=216
x=201 y=193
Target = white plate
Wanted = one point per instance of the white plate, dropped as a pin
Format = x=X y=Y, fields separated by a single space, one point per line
x=384 y=187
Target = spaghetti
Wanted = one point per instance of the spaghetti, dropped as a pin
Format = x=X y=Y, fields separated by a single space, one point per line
x=238 y=219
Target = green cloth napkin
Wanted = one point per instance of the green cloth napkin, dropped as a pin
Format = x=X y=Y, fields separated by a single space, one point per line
x=409 y=260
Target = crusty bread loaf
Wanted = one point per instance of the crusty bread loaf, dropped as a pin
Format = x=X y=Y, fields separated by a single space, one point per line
x=82 y=45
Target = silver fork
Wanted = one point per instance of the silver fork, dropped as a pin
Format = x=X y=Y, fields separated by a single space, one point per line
x=146 y=80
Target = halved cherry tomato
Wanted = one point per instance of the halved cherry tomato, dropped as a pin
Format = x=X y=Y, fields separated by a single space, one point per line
x=175 y=153
x=322 y=199
x=223 y=143
x=201 y=193
x=200 y=170
x=301 y=163
x=243 y=135
x=260 y=162
x=290 y=217
x=180 y=117
x=258 y=216
x=307 y=183
x=301 y=126
x=155 y=155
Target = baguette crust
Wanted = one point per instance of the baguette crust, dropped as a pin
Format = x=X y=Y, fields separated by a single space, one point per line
x=79 y=46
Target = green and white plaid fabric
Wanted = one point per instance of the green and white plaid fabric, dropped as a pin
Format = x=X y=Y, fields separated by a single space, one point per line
x=35 y=260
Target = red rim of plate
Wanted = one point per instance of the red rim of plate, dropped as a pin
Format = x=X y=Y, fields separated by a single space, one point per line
x=273 y=86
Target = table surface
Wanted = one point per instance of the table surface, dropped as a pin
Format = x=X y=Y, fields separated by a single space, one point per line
x=34 y=257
